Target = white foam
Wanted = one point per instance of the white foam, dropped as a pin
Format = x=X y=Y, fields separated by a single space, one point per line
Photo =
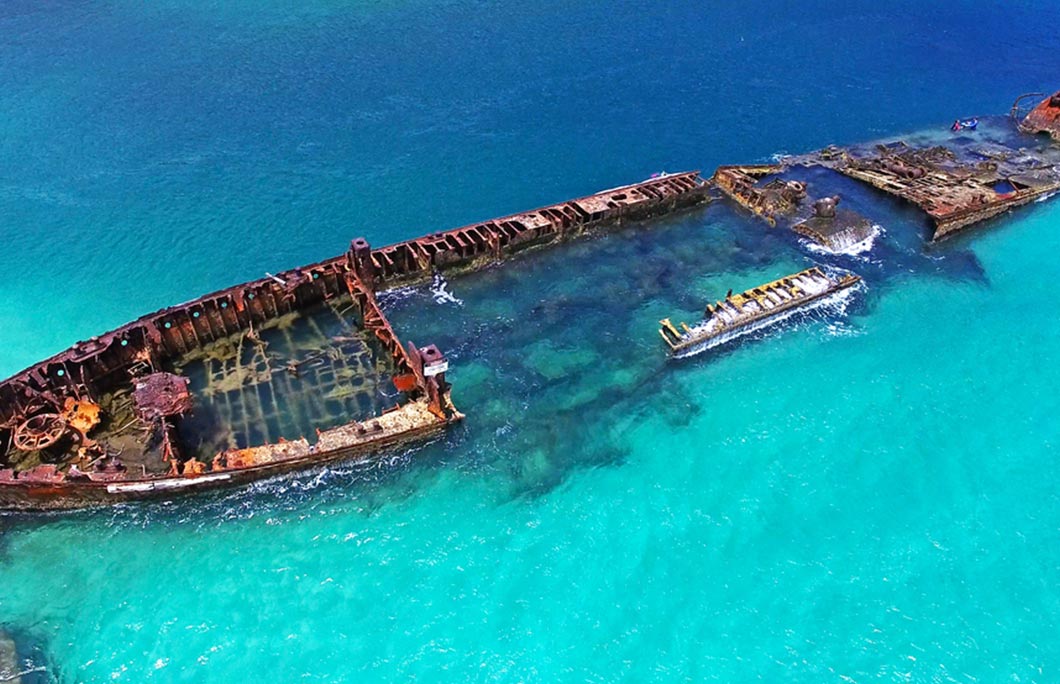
x=440 y=292
x=397 y=295
x=849 y=248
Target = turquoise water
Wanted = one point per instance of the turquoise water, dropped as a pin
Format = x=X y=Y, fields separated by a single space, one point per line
x=859 y=497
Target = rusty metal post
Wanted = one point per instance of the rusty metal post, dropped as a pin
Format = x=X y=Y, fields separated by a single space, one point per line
x=433 y=366
x=359 y=259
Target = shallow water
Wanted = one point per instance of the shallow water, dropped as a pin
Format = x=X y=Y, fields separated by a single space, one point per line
x=857 y=497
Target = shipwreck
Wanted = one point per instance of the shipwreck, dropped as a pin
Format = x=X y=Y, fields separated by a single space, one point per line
x=291 y=371
x=302 y=368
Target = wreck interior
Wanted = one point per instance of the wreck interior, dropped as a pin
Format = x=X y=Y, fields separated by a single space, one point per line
x=309 y=371
x=294 y=375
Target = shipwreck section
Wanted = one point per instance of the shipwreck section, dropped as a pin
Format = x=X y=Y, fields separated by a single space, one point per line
x=101 y=422
x=63 y=444
x=1044 y=118
x=834 y=228
x=760 y=306
x=481 y=244
x=954 y=192
x=959 y=178
x=768 y=199
x=131 y=401
x=763 y=190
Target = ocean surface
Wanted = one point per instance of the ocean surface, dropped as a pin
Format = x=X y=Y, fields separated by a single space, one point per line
x=864 y=495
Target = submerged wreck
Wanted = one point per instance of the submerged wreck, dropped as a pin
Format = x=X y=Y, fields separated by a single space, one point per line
x=954 y=190
x=833 y=228
x=302 y=368
x=761 y=306
x=291 y=371
x=957 y=182
x=762 y=190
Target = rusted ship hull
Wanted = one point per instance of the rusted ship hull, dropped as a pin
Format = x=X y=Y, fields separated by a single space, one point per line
x=1044 y=118
x=776 y=198
x=481 y=244
x=755 y=308
x=957 y=183
x=953 y=202
x=53 y=455
x=71 y=495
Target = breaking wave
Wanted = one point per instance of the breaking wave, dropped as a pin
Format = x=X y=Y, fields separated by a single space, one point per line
x=849 y=247
x=440 y=291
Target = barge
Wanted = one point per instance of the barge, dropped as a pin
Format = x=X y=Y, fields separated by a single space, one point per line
x=759 y=307
x=289 y=372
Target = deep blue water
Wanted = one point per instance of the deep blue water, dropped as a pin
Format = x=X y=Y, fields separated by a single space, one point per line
x=858 y=498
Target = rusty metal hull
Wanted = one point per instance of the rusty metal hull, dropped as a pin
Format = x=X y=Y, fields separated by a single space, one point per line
x=1044 y=118
x=777 y=198
x=176 y=330
x=952 y=202
x=481 y=244
x=73 y=495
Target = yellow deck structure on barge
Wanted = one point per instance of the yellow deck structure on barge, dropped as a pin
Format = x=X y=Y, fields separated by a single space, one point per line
x=755 y=307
